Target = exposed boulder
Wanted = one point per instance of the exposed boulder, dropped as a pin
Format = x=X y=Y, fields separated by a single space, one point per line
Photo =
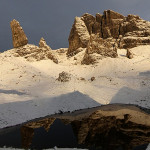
x=18 y=35
x=129 y=54
x=79 y=36
x=64 y=77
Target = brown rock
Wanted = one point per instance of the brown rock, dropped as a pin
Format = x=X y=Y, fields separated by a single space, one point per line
x=112 y=30
x=129 y=54
x=111 y=24
x=79 y=36
x=92 y=78
x=48 y=50
x=64 y=77
x=18 y=35
x=89 y=21
x=42 y=44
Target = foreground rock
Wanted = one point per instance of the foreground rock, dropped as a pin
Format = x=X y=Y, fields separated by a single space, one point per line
x=64 y=77
x=112 y=28
x=18 y=35
x=35 y=53
x=108 y=127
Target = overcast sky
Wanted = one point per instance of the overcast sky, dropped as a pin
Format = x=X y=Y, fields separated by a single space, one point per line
x=53 y=19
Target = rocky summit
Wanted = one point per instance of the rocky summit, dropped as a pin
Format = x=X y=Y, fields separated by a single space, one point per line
x=18 y=35
x=103 y=34
x=96 y=37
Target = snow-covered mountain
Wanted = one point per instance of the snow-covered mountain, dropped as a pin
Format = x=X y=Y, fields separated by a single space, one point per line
x=37 y=81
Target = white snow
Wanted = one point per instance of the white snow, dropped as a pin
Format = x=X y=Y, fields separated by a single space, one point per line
x=30 y=90
x=148 y=148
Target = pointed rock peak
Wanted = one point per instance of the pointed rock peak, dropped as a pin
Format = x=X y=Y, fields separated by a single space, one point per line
x=18 y=36
x=43 y=44
x=112 y=14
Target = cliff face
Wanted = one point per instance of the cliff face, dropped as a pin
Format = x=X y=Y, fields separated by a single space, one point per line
x=111 y=27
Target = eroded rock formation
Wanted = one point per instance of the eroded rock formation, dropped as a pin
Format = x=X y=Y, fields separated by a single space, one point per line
x=35 y=53
x=18 y=35
x=98 y=46
x=79 y=36
x=48 y=50
x=112 y=28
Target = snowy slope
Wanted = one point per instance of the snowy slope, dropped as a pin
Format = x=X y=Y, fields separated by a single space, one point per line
x=30 y=90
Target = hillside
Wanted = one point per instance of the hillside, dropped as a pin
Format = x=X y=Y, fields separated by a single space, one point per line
x=30 y=86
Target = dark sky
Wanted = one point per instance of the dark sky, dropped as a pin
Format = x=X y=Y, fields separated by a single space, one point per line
x=53 y=19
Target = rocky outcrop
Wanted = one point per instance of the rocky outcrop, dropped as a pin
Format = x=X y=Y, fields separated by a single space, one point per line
x=48 y=50
x=64 y=77
x=79 y=36
x=35 y=53
x=18 y=35
x=43 y=44
x=111 y=27
x=98 y=46
x=111 y=129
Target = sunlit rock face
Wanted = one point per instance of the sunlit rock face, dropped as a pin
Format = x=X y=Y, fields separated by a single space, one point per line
x=18 y=35
x=79 y=36
x=105 y=128
x=111 y=27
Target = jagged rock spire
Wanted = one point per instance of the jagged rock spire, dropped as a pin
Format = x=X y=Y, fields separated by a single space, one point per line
x=18 y=35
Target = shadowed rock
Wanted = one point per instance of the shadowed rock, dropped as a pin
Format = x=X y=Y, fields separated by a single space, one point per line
x=18 y=35
x=97 y=49
x=108 y=127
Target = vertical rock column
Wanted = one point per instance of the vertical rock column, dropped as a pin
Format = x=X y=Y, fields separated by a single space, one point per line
x=18 y=35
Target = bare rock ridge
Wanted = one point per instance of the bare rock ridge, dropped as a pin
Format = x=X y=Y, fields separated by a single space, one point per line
x=79 y=36
x=30 y=52
x=106 y=127
x=103 y=34
x=99 y=36
x=18 y=35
